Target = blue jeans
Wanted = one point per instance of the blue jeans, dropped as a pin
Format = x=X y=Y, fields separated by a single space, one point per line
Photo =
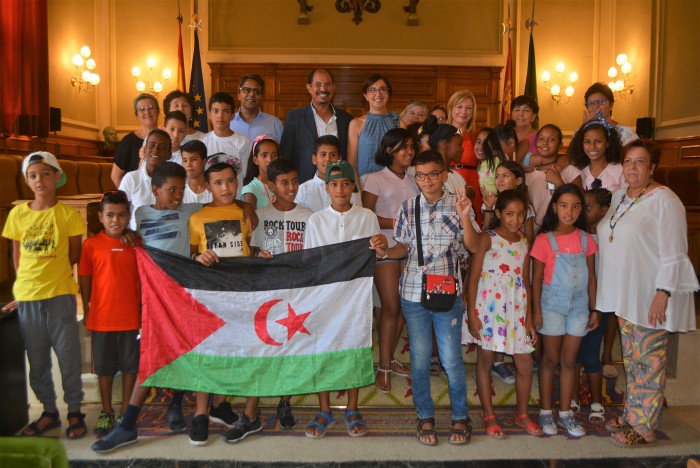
x=448 y=331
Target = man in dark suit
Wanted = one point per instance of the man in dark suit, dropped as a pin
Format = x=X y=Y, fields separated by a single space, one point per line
x=303 y=125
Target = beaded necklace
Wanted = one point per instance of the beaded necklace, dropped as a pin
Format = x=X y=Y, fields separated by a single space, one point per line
x=622 y=200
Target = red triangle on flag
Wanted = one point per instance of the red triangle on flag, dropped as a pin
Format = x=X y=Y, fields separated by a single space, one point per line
x=172 y=321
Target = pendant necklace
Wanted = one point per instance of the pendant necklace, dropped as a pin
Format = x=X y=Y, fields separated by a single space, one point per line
x=622 y=200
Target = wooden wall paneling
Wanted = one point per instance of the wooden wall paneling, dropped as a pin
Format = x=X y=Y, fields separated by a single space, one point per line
x=286 y=90
x=678 y=151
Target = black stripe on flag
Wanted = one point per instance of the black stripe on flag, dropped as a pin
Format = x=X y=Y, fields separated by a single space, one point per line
x=304 y=268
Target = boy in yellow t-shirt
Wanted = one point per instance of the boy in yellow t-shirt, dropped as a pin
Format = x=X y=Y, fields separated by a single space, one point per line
x=219 y=230
x=46 y=242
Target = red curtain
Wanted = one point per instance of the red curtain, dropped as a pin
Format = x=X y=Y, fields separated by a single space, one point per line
x=24 y=79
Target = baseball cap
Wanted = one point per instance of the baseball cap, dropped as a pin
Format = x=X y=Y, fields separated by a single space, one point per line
x=43 y=157
x=346 y=171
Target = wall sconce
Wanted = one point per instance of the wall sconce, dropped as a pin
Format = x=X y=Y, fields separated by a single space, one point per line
x=151 y=87
x=83 y=78
x=555 y=89
x=622 y=87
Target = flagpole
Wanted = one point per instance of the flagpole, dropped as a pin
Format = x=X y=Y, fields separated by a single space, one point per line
x=531 y=78
x=508 y=88
x=181 y=78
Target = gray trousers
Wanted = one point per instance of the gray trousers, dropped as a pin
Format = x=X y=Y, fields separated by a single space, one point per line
x=46 y=324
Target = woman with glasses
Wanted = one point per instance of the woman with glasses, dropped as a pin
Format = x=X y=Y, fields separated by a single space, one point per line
x=523 y=111
x=599 y=102
x=461 y=112
x=366 y=132
x=127 y=159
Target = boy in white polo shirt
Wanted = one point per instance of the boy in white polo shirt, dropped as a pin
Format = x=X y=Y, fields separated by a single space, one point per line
x=342 y=221
x=312 y=193
x=224 y=140
x=137 y=184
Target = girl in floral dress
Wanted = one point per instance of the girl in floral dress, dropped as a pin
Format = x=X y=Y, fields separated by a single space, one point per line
x=498 y=313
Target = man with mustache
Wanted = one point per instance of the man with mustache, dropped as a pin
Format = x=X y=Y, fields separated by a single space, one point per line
x=303 y=125
x=250 y=120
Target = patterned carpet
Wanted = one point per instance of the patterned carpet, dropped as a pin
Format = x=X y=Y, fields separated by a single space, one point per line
x=382 y=422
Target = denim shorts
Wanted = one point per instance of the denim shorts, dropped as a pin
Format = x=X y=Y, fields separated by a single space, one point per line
x=558 y=324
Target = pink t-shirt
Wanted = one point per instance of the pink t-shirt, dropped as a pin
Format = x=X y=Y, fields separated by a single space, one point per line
x=391 y=191
x=569 y=243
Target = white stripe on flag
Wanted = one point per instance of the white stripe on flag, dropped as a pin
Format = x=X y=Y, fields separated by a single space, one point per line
x=340 y=318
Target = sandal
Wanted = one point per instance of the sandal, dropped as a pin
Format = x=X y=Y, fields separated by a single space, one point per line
x=399 y=369
x=466 y=432
x=435 y=367
x=422 y=432
x=78 y=429
x=530 y=426
x=616 y=425
x=383 y=380
x=37 y=431
x=495 y=430
x=632 y=439
x=597 y=413
x=353 y=423
x=322 y=427
x=609 y=371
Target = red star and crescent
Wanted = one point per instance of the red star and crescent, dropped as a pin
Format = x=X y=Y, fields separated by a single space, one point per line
x=293 y=322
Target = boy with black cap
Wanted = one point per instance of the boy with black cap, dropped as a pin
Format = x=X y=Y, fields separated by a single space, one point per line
x=341 y=222
x=46 y=241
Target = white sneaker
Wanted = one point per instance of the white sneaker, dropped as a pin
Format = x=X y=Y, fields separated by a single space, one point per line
x=568 y=421
x=546 y=422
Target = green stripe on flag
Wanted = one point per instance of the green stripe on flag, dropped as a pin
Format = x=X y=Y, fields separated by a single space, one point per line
x=267 y=376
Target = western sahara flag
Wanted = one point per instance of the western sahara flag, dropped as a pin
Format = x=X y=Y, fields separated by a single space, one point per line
x=298 y=323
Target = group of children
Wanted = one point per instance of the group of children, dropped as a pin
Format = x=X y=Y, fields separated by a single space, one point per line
x=193 y=208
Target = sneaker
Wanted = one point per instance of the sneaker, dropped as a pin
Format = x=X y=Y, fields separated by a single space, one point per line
x=118 y=438
x=568 y=421
x=223 y=414
x=546 y=422
x=105 y=423
x=199 y=433
x=285 y=416
x=176 y=421
x=502 y=371
x=243 y=428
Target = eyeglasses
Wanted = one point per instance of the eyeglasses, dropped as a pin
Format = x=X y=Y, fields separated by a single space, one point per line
x=441 y=119
x=598 y=102
x=430 y=175
x=381 y=89
x=319 y=85
x=247 y=90
x=145 y=108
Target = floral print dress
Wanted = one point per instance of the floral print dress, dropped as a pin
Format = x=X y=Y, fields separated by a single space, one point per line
x=501 y=302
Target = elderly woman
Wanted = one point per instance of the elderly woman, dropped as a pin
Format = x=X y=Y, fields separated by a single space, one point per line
x=599 y=99
x=415 y=112
x=127 y=157
x=366 y=132
x=646 y=278
x=524 y=110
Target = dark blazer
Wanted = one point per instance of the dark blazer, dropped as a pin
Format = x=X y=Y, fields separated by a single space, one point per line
x=299 y=134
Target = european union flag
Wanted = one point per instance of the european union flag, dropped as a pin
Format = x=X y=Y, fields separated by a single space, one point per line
x=197 y=90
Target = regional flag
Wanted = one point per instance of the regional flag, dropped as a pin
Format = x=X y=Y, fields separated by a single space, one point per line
x=508 y=88
x=298 y=323
x=197 y=89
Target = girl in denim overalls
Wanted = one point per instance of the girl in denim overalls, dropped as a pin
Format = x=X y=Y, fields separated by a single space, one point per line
x=564 y=288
